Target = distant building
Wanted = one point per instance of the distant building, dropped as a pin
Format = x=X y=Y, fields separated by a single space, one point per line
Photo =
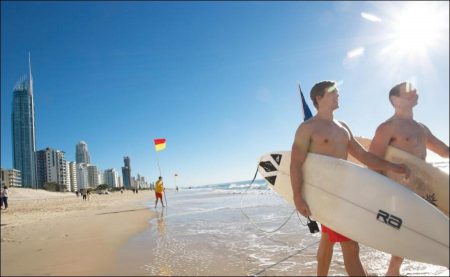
x=51 y=167
x=141 y=183
x=23 y=130
x=72 y=176
x=126 y=173
x=134 y=183
x=82 y=176
x=93 y=176
x=101 y=177
x=111 y=178
x=119 y=182
x=11 y=178
x=82 y=153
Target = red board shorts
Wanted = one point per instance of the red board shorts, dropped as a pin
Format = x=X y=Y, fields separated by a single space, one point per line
x=158 y=195
x=333 y=236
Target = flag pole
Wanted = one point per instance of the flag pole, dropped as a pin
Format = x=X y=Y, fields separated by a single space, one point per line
x=157 y=161
x=165 y=199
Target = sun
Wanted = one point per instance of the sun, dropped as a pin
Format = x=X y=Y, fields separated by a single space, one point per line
x=417 y=28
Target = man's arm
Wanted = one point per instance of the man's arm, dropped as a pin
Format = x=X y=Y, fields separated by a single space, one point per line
x=380 y=141
x=298 y=156
x=435 y=144
x=371 y=160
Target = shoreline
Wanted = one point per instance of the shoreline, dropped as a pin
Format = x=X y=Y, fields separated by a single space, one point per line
x=68 y=236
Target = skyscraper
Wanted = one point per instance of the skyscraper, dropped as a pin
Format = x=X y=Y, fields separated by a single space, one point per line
x=111 y=177
x=72 y=176
x=23 y=134
x=82 y=153
x=52 y=168
x=82 y=176
x=126 y=172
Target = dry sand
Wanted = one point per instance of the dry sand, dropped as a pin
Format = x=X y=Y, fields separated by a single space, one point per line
x=49 y=233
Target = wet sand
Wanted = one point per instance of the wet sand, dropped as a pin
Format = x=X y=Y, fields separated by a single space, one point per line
x=44 y=233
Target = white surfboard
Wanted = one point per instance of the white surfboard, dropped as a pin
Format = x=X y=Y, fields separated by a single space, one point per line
x=430 y=182
x=364 y=206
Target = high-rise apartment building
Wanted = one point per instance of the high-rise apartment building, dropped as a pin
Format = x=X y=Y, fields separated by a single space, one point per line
x=82 y=153
x=82 y=176
x=119 y=181
x=72 y=176
x=23 y=130
x=126 y=173
x=93 y=176
x=111 y=178
x=51 y=167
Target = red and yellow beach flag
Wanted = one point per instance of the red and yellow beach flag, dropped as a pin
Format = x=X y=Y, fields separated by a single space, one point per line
x=160 y=144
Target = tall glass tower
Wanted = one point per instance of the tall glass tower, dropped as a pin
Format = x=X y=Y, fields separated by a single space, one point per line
x=23 y=135
x=126 y=172
x=82 y=153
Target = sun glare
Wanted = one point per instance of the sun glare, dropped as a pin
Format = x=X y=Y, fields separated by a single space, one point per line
x=417 y=28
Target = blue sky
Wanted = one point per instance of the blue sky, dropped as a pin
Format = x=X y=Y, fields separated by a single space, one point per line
x=218 y=80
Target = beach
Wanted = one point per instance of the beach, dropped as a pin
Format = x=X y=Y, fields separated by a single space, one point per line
x=50 y=233
x=230 y=229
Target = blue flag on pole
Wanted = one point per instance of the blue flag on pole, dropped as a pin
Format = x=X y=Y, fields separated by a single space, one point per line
x=306 y=111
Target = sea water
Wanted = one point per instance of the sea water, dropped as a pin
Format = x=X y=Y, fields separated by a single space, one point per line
x=237 y=229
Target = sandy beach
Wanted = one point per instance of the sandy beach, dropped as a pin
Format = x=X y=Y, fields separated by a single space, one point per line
x=49 y=233
x=201 y=232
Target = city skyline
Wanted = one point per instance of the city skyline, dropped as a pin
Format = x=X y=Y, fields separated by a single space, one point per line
x=218 y=80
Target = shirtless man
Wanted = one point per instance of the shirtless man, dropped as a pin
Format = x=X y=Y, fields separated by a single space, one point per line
x=322 y=134
x=403 y=132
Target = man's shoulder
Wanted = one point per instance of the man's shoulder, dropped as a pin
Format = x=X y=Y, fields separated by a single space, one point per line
x=388 y=123
x=309 y=124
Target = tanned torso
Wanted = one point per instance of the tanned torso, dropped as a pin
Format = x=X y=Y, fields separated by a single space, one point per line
x=328 y=138
x=408 y=135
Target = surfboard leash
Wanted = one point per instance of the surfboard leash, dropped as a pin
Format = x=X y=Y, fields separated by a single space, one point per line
x=251 y=221
x=286 y=258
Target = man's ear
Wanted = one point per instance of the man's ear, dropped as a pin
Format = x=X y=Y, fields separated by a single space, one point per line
x=394 y=100
x=318 y=97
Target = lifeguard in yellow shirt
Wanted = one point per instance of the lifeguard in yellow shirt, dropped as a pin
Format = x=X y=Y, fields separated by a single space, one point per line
x=159 y=190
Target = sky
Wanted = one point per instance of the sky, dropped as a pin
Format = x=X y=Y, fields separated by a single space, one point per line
x=217 y=80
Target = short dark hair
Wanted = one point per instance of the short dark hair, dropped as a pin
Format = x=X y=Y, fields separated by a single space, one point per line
x=395 y=91
x=319 y=90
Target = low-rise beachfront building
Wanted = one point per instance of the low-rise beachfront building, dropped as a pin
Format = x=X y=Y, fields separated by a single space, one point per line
x=51 y=167
x=11 y=178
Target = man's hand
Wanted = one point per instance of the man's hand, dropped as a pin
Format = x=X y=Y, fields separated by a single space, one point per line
x=301 y=206
x=401 y=168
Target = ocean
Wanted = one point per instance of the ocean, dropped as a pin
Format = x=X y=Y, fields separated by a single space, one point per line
x=237 y=229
